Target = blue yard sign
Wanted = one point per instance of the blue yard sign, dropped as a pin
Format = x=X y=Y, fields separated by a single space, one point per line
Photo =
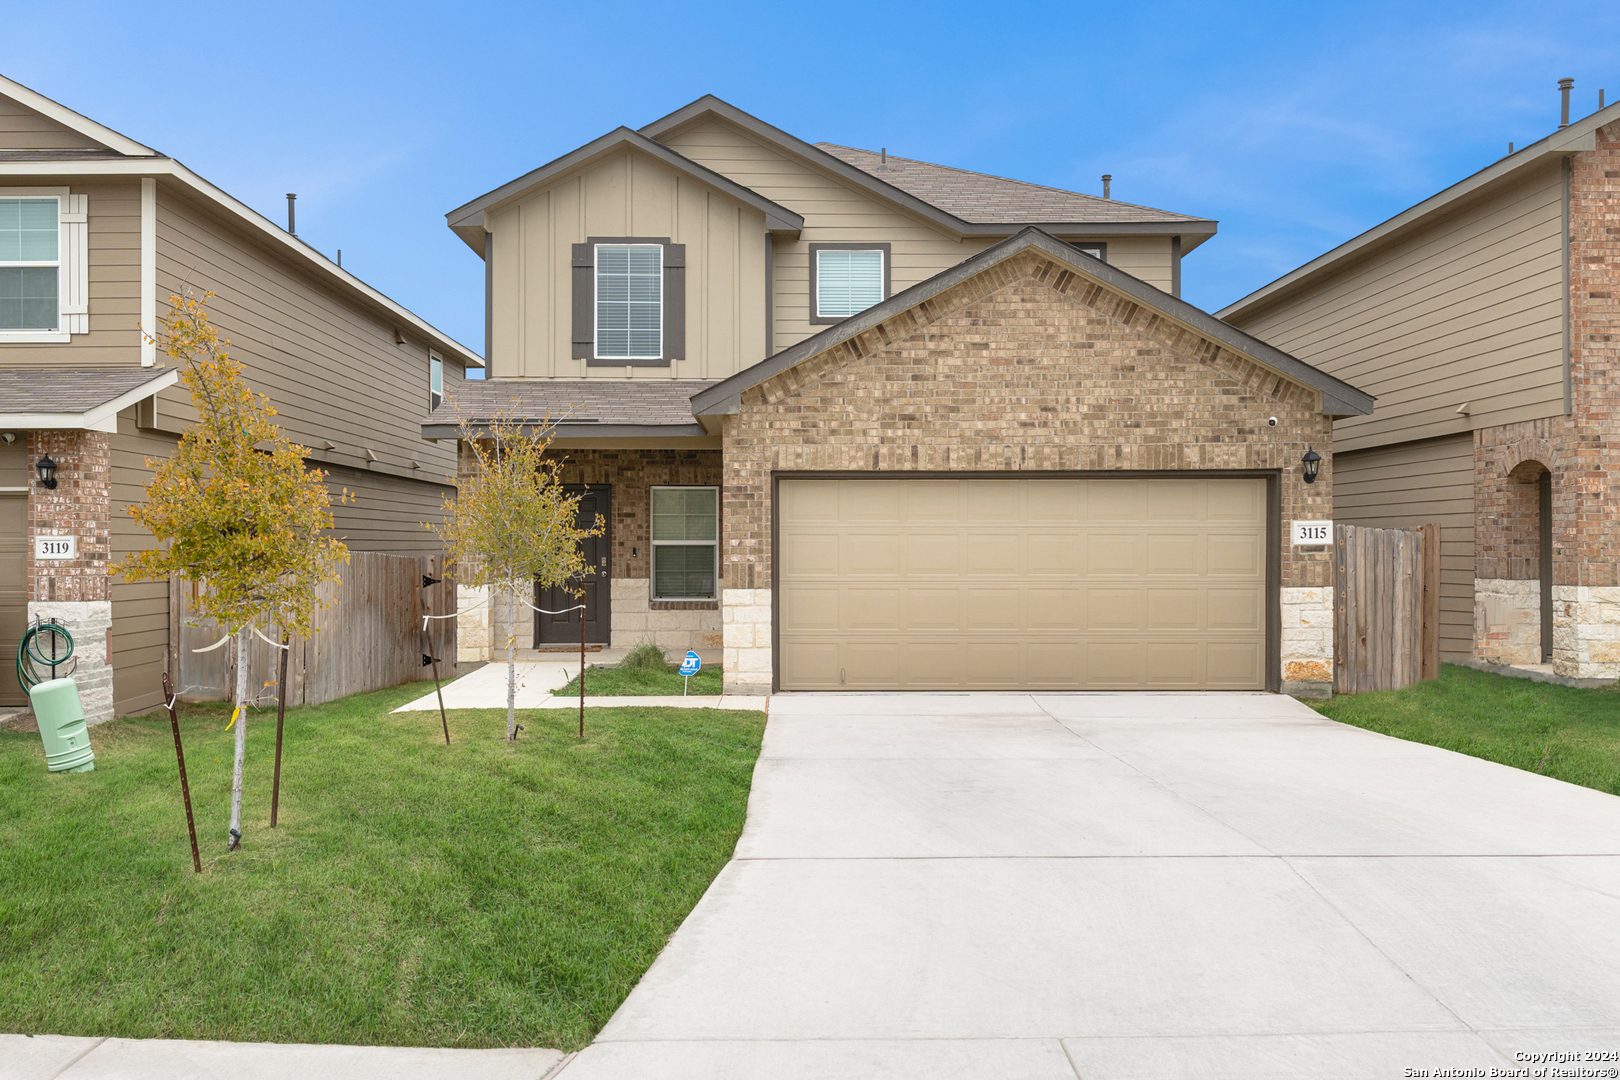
x=690 y=666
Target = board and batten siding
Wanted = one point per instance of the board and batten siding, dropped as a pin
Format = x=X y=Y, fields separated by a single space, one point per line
x=835 y=212
x=21 y=128
x=1469 y=310
x=1412 y=484
x=330 y=368
x=113 y=229
x=626 y=194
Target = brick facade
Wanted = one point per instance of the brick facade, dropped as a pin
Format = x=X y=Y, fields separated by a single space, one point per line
x=76 y=592
x=1025 y=367
x=632 y=473
x=1580 y=450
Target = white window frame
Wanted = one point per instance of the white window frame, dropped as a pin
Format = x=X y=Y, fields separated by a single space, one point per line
x=67 y=242
x=654 y=545
x=435 y=375
x=883 y=271
x=596 y=302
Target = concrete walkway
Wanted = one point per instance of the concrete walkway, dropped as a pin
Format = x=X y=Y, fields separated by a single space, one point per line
x=49 y=1057
x=1131 y=886
x=542 y=673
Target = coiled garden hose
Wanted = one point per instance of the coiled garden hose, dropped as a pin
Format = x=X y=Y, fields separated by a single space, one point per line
x=30 y=659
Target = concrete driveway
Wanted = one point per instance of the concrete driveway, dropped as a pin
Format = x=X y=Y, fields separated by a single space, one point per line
x=1102 y=886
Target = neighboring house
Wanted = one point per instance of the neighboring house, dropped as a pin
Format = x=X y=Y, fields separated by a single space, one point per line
x=1484 y=319
x=96 y=231
x=872 y=423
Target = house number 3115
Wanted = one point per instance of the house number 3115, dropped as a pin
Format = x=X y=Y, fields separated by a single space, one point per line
x=1313 y=533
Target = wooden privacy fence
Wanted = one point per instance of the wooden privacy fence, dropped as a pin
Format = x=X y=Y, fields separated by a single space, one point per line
x=370 y=637
x=1386 y=594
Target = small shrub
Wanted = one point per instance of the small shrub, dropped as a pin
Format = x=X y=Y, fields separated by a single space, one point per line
x=646 y=659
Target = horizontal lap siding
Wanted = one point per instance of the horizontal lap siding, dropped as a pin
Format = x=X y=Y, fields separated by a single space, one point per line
x=140 y=609
x=21 y=128
x=1404 y=486
x=1469 y=310
x=834 y=212
x=114 y=242
x=387 y=513
x=331 y=370
x=629 y=194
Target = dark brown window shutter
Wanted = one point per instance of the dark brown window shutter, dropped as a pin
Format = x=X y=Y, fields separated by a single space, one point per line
x=674 y=301
x=584 y=301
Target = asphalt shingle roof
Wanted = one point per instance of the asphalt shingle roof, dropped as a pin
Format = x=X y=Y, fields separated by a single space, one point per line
x=982 y=199
x=69 y=390
x=656 y=402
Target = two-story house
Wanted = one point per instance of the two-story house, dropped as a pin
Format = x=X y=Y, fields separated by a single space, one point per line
x=874 y=423
x=1485 y=320
x=96 y=232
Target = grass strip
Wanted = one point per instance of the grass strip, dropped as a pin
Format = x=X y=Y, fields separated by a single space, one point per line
x=1560 y=731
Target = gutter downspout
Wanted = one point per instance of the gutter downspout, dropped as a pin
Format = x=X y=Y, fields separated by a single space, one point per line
x=148 y=271
x=489 y=305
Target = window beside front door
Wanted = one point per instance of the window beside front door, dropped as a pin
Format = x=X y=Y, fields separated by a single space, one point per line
x=685 y=543
x=30 y=265
x=846 y=279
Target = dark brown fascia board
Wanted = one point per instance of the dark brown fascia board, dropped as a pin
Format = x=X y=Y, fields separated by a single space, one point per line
x=1339 y=398
x=1580 y=135
x=467 y=221
x=1200 y=228
x=480 y=429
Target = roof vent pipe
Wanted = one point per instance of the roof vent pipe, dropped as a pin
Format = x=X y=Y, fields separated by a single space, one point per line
x=1564 y=86
x=1600 y=101
x=1108 y=179
x=883 y=160
x=292 y=219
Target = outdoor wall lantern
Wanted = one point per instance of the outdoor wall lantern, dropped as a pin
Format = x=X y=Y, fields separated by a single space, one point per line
x=1312 y=462
x=47 y=472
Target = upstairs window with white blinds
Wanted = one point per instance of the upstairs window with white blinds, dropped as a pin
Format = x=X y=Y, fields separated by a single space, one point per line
x=30 y=264
x=629 y=301
x=847 y=282
x=44 y=265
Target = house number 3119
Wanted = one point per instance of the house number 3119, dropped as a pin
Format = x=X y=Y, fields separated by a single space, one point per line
x=56 y=547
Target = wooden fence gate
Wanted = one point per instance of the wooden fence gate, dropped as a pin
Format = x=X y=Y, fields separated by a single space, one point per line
x=1386 y=594
x=369 y=638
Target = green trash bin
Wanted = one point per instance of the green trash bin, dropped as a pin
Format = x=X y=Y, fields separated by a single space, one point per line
x=61 y=726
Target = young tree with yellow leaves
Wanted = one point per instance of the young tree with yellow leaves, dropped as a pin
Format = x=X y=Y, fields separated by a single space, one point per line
x=236 y=510
x=512 y=525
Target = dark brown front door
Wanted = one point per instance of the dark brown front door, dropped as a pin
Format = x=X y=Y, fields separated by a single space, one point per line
x=595 y=499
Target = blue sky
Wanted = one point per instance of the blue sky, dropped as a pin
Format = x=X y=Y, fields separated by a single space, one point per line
x=1296 y=125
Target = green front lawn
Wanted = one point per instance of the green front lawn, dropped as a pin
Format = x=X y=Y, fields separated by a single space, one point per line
x=610 y=681
x=1558 y=731
x=480 y=894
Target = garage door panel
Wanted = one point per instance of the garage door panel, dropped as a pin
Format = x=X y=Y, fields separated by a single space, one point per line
x=811 y=553
x=1114 y=609
x=1174 y=556
x=1018 y=583
x=1114 y=555
x=933 y=608
x=927 y=554
x=806 y=608
x=1175 y=609
x=870 y=553
x=1235 y=555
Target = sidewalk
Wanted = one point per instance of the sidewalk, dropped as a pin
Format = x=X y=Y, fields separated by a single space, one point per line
x=48 y=1057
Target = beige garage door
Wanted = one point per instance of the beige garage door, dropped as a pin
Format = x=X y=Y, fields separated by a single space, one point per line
x=901 y=584
x=13 y=564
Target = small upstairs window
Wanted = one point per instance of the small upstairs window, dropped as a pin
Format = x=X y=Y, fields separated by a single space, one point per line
x=30 y=265
x=1097 y=251
x=846 y=279
x=435 y=381
x=629 y=301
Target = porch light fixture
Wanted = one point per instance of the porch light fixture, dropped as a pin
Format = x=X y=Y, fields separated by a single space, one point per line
x=47 y=472
x=1312 y=462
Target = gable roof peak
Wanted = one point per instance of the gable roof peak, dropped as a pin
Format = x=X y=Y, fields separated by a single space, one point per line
x=83 y=125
